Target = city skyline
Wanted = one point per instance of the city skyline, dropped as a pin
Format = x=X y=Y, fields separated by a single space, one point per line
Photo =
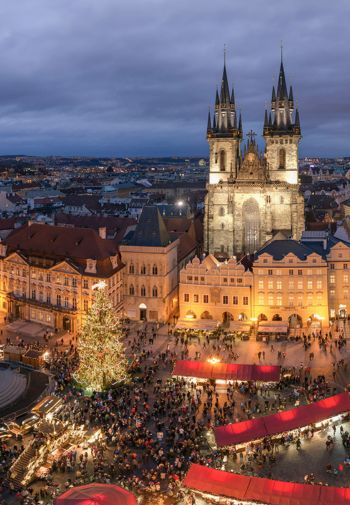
x=135 y=79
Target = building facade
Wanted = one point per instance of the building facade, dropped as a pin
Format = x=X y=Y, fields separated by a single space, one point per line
x=47 y=274
x=251 y=197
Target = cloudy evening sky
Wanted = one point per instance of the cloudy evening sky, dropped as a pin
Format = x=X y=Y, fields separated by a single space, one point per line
x=135 y=77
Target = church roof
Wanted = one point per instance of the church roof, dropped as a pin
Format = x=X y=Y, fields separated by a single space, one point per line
x=150 y=230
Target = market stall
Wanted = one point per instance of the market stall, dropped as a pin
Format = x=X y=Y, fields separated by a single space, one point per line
x=282 y=422
x=197 y=324
x=48 y=405
x=209 y=483
x=96 y=493
x=226 y=371
x=276 y=329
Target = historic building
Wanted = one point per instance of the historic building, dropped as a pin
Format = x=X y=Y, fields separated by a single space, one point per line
x=252 y=196
x=47 y=273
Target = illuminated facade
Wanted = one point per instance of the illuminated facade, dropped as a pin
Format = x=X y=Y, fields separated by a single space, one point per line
x=252 y=196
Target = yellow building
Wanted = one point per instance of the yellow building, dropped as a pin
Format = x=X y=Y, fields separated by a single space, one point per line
x=47 y=274
x=290 y=284
x=338 y=259
x=213 y=290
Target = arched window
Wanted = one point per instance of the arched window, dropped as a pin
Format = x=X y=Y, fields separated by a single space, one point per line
x=154 y=292
x=222 y=226
x=131 y=290
x=131 y=269
x=282 y=159
x=222 y=161
x=155 y=270
x=143 y=291
x=221 y=211
x=143 y=269
x=251 y=225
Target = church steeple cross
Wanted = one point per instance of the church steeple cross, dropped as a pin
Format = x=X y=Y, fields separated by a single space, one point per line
x=251 y=136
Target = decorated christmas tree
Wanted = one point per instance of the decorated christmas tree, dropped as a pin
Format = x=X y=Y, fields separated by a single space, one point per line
x=101 y=351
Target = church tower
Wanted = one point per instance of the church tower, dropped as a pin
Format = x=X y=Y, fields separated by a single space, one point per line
x=253 y=197
x=282 y=133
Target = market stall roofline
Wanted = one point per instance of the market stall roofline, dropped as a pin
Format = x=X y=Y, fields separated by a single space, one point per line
x=261 y=490
x=260 y=427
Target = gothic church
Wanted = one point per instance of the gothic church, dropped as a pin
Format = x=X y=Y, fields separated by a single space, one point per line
x=251 y=196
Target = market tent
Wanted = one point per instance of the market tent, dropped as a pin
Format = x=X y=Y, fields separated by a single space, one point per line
x=96 y=494
x=239 y=433
x=272 y=327
x=240 y=326
x=266 y=491
x=226 y=371
x=197 y=324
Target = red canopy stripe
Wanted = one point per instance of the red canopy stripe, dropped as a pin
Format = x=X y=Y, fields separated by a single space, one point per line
x=96 y=494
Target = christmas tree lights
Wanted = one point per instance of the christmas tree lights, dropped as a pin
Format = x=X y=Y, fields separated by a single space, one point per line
x=102 y=360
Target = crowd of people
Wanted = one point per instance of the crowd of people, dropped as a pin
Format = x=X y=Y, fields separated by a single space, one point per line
x=154 y=427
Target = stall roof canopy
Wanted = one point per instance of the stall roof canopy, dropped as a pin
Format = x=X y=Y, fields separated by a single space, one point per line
x=267 y=491
x=96 y=494
x=240 y=326
x=273 y=327
x=246 y=431
x=226 y=371
x=197 y=324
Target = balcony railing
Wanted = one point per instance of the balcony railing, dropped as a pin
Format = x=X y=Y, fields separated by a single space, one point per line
x=38 y=303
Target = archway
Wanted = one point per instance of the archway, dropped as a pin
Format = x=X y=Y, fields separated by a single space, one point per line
x=143 y=312
x=242 y=317
x=190 y=315
x=206 y=315
x=314 y=321
x=227 y=317
x=251 y=225
x=262 y=317
x=276 y=317
x=295 y=321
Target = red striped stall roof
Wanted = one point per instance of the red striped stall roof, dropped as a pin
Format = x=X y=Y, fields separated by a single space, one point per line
x=260 y=427
x=226 y=371
x=266 y=491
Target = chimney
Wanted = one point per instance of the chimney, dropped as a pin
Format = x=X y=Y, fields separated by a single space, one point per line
x=102 y=231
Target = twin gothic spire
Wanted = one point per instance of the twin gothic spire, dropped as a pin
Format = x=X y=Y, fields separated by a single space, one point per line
x=280 y=120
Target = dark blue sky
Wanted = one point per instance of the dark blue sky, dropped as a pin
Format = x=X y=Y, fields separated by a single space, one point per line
x=135 y=77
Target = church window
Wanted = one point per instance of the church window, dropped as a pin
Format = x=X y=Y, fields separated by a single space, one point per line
x=154 y=292
x=221 y=211
x=155 y=270
x=143 y=291
x=251 y=225
x=131 y=290
x=222 y=161
x=222 y=226
x=282 y=159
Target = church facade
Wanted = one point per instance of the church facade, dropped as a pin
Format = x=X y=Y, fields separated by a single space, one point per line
x=251 y=196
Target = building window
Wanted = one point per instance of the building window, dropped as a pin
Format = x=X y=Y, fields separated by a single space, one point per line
x=48 y=298
x=332 y=292
x=309 y=284
x=235 y=300
x=300 y=272
x=33 y=294
x=291 y=301
x=143 y=291
x=154 y=292
x=270 y=299
x=225 y=300
x=291 y=285
x=345 y=278
x=66 y=302
x=58 y=299
x=131 y=269
x=195 y=298
x=270 y=284
x=279 y=284
x=66 y=281
x=85 y=284
x=331 y=266
x=205 y=299
x=189 y=277
x=74 y=303
x=155 y=270
x=345 y=266
x=300 y=284
x=239 y=280
x=282 y=159
x=291 y=272
x=225 y=279
x=143 y=270
x=245 y=300
x=261 y=299
x=41 y=297
x=222 y=161
x=131 y=290
x=269 y=272
x=279 y=299
x=319 y=284
x=86 y=305
x=74 y=282
x=186 y=297
x=48 y=277
x=261 y=284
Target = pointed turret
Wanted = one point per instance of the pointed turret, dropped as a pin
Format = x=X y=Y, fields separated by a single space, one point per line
x=240 y=123
x=290 y=98
x=273 y=98
x=209 y=122
x=232 y=96
x=217 y=99
x=282 y=93
x=225 y=91
x=297 y=128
